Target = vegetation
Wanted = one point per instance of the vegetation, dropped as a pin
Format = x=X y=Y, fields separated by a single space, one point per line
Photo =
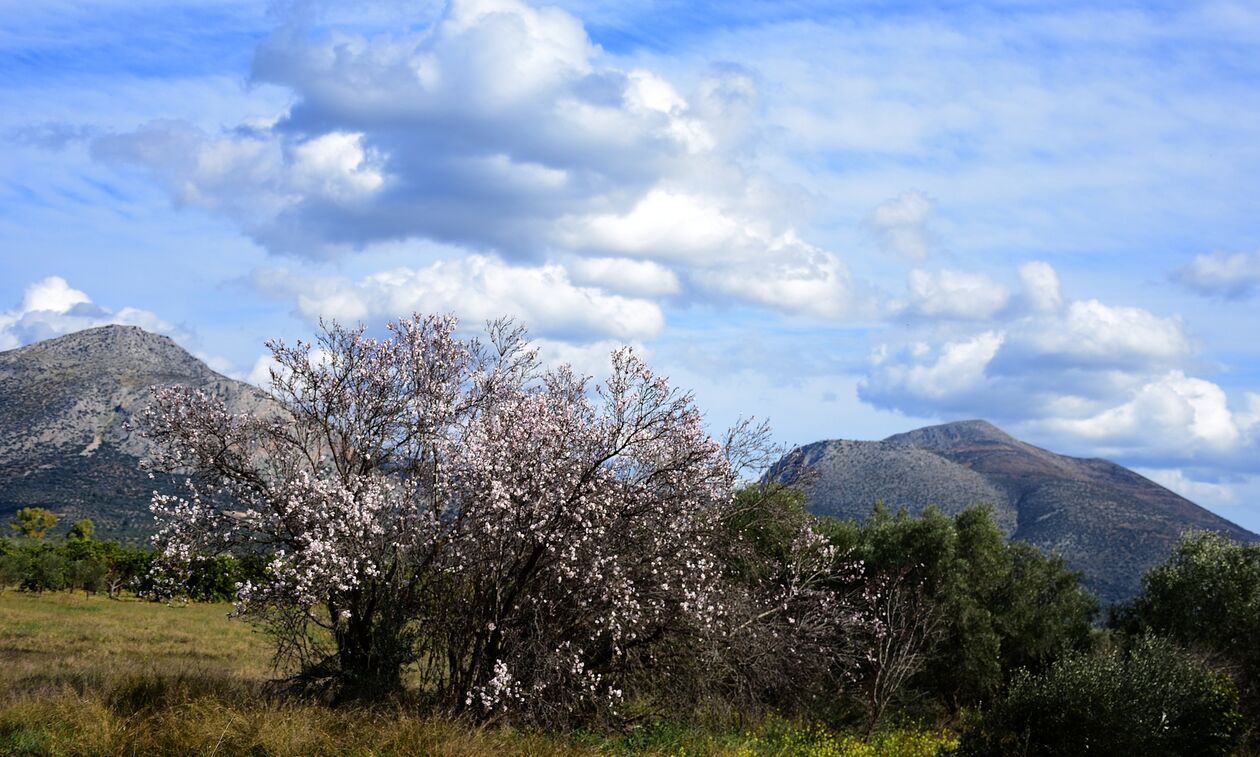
x=1206 y=597
x=975 y=608
x=33 y=522
x=1152 y=700
x=87 y=675
x=80 y=563
x=443 y=547
x=539 y=547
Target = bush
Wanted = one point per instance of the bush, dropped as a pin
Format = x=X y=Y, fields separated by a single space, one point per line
x=1206 y=596
x=45 y=571
x=1154 y=700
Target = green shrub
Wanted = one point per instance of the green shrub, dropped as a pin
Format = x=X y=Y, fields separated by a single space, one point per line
x=1154 y=700
x=45 y=571
x=1206 y=596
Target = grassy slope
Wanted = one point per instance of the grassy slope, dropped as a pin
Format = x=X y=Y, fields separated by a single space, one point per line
x=87 y=675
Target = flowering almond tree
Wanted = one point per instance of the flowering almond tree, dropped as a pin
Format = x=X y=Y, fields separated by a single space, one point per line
x=522 y=537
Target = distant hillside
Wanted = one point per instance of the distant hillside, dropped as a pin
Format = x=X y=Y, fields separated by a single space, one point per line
x=1106 y=520
x=63 y=406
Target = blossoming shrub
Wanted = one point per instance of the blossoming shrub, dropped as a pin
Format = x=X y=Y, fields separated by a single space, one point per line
x=530 y=542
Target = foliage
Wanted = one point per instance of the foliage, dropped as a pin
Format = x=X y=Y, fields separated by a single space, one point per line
x=797 y=610
x=1154 y=700
x=82 y=529
x=33 y=522
x=96 y=566
x=1002 y=606
x=533 y=542
x=1206 y=596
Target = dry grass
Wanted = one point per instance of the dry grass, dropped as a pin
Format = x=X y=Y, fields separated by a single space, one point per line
x=91 y=676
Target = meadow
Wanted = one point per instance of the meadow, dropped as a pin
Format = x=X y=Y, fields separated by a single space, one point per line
x=87 y=675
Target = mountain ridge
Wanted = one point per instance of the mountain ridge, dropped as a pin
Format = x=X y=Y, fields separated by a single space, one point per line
x=65 y=404
x=1106 y=520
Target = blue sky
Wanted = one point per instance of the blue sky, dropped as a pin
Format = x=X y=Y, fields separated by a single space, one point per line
x=853 y=219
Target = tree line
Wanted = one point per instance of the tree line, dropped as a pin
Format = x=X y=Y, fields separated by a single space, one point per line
x=33 y=562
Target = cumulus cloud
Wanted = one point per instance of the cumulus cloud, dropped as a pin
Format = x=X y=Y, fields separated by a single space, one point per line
x=1093 y=334
x=1220 y=274
x=954 y=294
x=1041 y=289
x=476 y=288
x=943 y=375
x=501 y=128
x=1210 y=493
x=1110 y=379
x=1173 y=409
x=635 y=277
x=900 y=225
x=51 y=308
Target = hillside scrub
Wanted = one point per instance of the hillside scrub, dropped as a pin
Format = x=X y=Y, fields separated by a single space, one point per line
x=1152 y=700
x=1206 y=597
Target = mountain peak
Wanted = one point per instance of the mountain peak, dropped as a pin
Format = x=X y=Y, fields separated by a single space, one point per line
x=955 y=434
x=1105 y=520
x=65 y=405
x=112 y=350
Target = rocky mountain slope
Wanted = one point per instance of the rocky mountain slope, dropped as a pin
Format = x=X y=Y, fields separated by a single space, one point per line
x=64 y=404
x=1106 y=520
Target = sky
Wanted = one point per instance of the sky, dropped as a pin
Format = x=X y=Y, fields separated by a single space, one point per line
x=849 y=218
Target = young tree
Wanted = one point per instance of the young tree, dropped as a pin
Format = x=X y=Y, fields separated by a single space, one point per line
x=908 y=624
x=33 y=522
x=529 y=539
x=797 y=609
x=82 y=530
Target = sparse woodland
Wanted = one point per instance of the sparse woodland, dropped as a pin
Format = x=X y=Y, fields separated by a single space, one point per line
x=437 y=525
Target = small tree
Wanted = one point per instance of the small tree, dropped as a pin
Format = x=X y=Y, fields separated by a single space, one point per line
x=88 y=575
x=33 y=522
x=530 y=539
x=908 y=624
x=82 y=530
x=45 y=571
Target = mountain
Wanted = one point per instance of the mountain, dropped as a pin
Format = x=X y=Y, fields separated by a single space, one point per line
x=64 y=404
x=1105 y=520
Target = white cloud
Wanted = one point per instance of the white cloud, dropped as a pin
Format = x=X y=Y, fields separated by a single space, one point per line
x=1110 y=379
x=52 y=295
x=795 y=278
x=1041 y=287
x=1223 y=275
x=1093 y=333
x=51 y=308
x=501 y=128
x=900 y=225
x=666 y=224
x=926 y=376
x=1207 y=493
x=1173 y=410
x=476 y=288
x=955 y=294
x=635 y=277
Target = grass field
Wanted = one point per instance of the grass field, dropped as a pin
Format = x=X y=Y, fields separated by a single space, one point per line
x=92 y=676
